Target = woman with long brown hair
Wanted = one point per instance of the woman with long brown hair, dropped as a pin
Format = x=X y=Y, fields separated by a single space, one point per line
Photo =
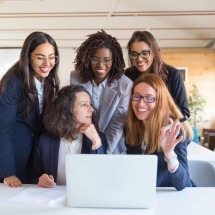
x=151 y=109
x=25 y=91
x=145 y=57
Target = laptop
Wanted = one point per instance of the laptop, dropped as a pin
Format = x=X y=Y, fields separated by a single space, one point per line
x=111 y=181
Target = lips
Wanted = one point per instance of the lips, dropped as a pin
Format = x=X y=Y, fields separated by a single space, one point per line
x=44 y=69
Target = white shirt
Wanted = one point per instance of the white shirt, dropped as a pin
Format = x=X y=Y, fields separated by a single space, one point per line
x=40 y=87
x=66 y=147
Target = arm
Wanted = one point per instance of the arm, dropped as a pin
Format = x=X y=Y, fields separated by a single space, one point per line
x=175 y=155
x=98 y=140
x=9 y=101
x=177 y=90
x=114 y=130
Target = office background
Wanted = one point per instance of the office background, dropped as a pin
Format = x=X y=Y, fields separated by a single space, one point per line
x=184 y=30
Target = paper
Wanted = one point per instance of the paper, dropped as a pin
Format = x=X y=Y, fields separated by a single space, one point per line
x=41 y=195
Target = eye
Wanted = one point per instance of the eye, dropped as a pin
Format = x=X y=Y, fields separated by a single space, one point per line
x=107 y=60
x=134 y=54
x=39 y=58
x=149 y=99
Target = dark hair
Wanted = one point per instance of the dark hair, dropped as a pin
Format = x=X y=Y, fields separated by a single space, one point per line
x=59 y=119
x=158 y=65
x=88 y=48
x=24 y=71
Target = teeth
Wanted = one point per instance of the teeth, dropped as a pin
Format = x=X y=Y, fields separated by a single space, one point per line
x=45 y=69
x=142 y=109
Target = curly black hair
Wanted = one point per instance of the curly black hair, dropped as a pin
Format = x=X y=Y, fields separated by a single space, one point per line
x=88 y=48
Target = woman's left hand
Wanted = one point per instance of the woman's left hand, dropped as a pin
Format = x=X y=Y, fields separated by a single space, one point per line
x=168 y=137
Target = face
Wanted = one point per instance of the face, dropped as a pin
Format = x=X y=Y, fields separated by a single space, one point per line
x=43 y=60
x=141 y=108
x=82 y=109
x=141 y=64
x=101 y=64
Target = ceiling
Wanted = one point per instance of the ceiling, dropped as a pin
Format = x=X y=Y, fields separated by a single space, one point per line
x=175 y=24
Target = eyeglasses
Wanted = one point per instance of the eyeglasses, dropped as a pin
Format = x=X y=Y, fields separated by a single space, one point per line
x=147 y=99
x=39 y=60
x=96 y=60
x=143 y=54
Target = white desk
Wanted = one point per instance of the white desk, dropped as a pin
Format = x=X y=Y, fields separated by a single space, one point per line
x=198 y=152
x=190 y=201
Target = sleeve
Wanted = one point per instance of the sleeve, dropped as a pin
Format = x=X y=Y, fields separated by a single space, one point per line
x=9 y=100
x=37 y=162
x=114 y=130
x=177 y=90
x=103 y=148
x=180 y=178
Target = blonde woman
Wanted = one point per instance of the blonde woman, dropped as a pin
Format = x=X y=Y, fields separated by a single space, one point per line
x=151 y=109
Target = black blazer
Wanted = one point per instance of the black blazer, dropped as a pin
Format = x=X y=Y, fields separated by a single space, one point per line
x=45 y=154
x=16 y=133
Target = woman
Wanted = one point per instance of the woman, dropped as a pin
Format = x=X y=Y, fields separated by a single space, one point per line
x=151 y=109
x=25 y=90
x=145 y=57
x=68 y=123
x=99 y=67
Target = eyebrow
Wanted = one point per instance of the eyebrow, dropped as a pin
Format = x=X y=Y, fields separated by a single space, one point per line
x=45 y=55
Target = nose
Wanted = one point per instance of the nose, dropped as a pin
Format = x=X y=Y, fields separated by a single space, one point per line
x=141 y=102
x=101 y=63
x=91 y=109
x=46 y=62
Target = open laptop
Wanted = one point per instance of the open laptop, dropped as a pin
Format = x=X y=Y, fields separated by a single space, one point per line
x=111 y=181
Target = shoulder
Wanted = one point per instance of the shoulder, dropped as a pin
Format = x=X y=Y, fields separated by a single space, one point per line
x=46 y=139
x=75 y=78
x=172 y=71
x=123 y=83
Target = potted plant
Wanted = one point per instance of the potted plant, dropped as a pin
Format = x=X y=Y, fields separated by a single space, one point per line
x=196 y=106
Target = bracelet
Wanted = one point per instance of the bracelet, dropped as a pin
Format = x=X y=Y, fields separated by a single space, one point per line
x=95 y=148
x=171 y=160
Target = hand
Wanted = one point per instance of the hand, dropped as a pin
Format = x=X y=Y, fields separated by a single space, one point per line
x=168 y=137
x=92 y=134
x=12 y=181
x=46 y=181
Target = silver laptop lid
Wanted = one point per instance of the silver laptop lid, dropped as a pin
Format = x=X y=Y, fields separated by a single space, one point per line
x=111 y=181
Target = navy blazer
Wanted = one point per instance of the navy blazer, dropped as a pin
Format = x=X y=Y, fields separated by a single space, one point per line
x=179 y=179
x=16 y=132
x=45 y=155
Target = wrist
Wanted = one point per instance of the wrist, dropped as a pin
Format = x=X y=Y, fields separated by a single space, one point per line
x=171 y=157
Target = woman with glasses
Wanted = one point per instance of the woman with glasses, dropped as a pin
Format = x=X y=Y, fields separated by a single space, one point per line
x=145 y=57
x=69 y=130
x=99 y=66
x=25 y=91
x=151 y=110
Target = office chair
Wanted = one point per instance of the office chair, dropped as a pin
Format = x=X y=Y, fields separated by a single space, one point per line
x=202 y=173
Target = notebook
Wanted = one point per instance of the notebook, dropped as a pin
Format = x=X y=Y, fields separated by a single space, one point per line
x=111 y=181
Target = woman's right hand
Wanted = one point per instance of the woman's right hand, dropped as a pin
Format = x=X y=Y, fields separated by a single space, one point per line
x=12 y=181
x=92 y=134
x=46 y=181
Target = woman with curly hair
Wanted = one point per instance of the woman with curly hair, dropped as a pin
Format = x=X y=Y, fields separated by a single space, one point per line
x=68 y=123
x=151 y=109
x=25 y=91
x=99 y=67
x=145 y=57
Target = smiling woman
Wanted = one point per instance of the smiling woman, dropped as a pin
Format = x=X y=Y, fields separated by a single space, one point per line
x=25 y=91
x=99 y=66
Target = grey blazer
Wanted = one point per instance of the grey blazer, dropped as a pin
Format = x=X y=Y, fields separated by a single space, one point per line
x=113 y=110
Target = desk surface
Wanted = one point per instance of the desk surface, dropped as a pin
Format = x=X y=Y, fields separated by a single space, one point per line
x=198 y=152
x=195 y=201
